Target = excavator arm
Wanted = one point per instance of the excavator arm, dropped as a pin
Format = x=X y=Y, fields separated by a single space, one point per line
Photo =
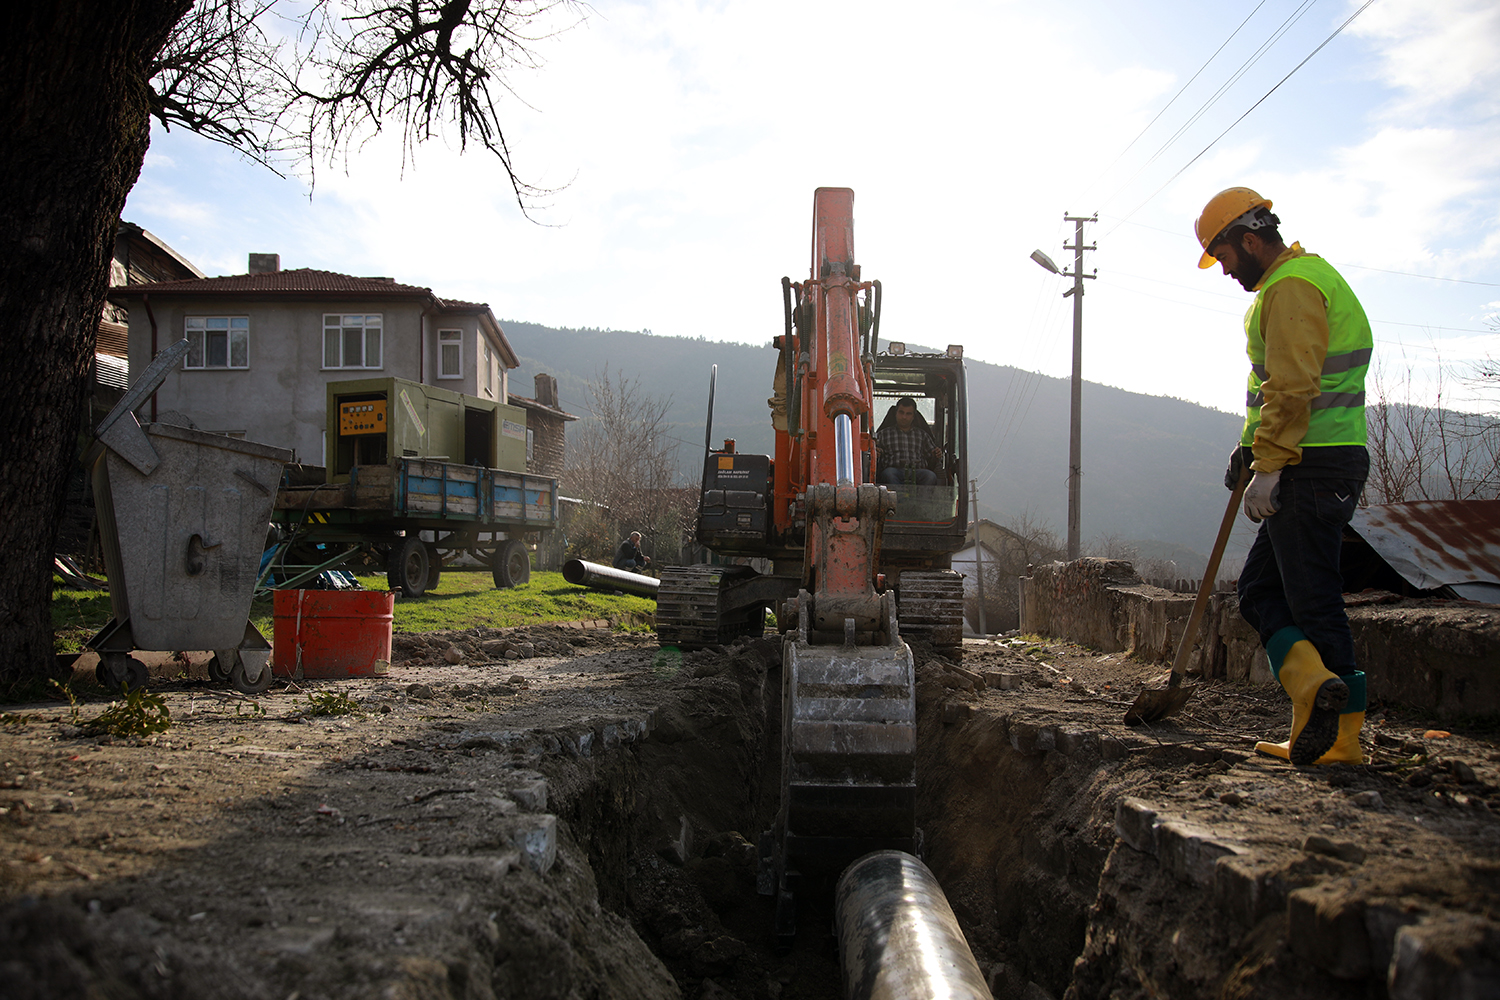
x=848 y=681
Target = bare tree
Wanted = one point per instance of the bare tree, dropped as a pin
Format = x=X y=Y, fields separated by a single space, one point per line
x=1026 y=540
x=79 y=85
x=623 y=464
x=1425 y=451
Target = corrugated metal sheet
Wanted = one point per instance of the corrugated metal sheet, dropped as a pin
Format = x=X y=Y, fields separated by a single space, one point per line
x=1437 y=543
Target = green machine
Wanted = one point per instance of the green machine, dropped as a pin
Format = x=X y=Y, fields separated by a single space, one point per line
x=380 y=420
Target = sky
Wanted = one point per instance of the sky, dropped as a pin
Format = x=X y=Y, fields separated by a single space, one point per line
x=685 y=138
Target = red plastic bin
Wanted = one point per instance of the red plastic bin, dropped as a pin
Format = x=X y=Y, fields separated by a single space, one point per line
x=332 y=633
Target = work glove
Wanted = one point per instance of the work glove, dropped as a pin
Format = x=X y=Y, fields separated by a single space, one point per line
x=1260 y=495
x=1236 y=466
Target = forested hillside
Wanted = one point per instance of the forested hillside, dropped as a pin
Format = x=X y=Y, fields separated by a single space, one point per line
x=1152 y=466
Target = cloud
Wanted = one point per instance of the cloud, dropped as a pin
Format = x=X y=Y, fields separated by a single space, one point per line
x=1439 y=53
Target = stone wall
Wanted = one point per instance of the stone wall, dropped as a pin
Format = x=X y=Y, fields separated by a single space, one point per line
x=1442 y=656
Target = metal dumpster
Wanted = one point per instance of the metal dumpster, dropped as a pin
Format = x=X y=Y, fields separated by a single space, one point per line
x=183 y=516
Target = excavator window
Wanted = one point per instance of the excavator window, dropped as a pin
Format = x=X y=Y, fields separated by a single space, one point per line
x=921 y=499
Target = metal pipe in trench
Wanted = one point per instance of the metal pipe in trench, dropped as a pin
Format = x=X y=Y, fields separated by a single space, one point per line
x=597 y=577
x=898 y=938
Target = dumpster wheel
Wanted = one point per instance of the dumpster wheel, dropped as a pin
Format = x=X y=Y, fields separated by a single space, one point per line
x=245 y=661
x=115 y=669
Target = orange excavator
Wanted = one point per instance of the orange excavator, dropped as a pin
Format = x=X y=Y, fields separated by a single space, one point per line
x=851 y=567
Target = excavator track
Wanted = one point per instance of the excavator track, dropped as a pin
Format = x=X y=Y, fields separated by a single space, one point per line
x=690 y=609
x=930 y=607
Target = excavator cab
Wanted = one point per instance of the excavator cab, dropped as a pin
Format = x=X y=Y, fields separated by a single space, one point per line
x=928 y=518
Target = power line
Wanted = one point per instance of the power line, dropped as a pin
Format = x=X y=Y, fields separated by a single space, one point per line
x=1429 y=277
x=1240 y=312
x=1223 y=89
x=1337 y=31
x=1362 y=267
x=1183 y=89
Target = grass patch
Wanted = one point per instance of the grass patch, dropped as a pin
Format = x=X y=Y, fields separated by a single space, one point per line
x=463 y=599
x=76 y=616
x=469 y=600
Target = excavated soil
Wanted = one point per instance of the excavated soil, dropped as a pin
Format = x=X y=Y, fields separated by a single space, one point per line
x=570 y=812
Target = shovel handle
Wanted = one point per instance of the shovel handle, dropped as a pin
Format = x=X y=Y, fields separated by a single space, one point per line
x=1185 y=647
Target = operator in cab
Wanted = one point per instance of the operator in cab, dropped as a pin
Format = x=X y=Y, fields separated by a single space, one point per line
x=904 y=447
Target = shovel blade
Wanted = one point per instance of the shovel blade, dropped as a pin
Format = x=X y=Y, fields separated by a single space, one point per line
x=1153 y=706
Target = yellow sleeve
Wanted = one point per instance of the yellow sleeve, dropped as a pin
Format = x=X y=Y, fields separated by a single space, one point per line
x=1294 y=321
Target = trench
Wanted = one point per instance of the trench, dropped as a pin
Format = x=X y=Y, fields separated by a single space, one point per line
x=600 y=844
x=1017 y=840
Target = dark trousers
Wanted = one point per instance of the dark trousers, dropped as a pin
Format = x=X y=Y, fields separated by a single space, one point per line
x=1291 y=576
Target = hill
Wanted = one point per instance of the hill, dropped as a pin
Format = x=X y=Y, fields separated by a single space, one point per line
x=1152 y=466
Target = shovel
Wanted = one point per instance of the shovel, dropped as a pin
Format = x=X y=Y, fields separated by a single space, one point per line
x=1153 y=706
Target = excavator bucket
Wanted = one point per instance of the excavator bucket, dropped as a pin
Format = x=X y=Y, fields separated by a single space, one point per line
x=849 y=749
x=848 y=760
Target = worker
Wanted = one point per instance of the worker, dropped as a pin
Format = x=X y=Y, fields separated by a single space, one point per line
x=1304 y=445
x=904 y=447
x=629 y=556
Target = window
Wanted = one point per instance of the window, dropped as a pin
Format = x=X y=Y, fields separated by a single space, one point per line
x=530 y=444
x=218 y=342
x=351 y=341
x=450 y=354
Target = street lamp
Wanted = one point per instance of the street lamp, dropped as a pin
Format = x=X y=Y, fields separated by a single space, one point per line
x=1075 y=442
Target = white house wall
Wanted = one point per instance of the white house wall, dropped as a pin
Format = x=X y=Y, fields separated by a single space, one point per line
x=472 y=343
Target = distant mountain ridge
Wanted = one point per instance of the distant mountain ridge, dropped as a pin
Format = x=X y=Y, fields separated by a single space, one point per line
x=1152 y=466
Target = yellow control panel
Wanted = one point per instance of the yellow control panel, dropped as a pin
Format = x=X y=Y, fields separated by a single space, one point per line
x=364 y=417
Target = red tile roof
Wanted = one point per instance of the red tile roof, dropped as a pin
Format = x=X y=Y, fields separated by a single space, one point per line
x=302 y=280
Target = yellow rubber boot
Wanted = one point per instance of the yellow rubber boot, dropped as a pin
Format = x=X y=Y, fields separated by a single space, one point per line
x=1318 y=694
x=1346 y=749
x=1343 y=744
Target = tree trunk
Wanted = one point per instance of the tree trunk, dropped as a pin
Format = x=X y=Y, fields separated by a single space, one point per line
x=74 y=114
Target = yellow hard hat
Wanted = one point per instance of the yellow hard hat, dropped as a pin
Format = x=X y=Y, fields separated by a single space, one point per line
x=1222 y=211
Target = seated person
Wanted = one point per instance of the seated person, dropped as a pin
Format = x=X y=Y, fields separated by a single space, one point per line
x=904 y=446
x=630 y=555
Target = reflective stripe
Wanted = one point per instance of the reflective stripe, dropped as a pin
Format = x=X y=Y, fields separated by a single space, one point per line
x=1332 y=365
x=1331 y=399
x=1345 y=362
x=1255 y=400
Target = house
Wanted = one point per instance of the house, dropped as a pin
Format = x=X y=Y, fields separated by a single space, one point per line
x=546 y=426
x=264 y=345
x=140 y=257
x=1001 y=555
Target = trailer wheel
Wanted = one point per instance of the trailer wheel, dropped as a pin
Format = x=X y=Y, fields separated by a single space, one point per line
x=434 y=567
x=511 y=565
x=406 y=569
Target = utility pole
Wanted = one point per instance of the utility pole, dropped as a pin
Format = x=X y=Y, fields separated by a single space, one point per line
x=978 y=552
x=1075 y=432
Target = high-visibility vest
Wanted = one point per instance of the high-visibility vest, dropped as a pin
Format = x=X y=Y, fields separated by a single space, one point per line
x=1338 y=414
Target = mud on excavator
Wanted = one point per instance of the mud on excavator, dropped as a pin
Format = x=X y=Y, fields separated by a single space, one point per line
x=851 y=568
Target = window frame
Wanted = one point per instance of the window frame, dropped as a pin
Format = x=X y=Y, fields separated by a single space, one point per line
x=457 y=341
x=343 y=328
x=203 y=332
